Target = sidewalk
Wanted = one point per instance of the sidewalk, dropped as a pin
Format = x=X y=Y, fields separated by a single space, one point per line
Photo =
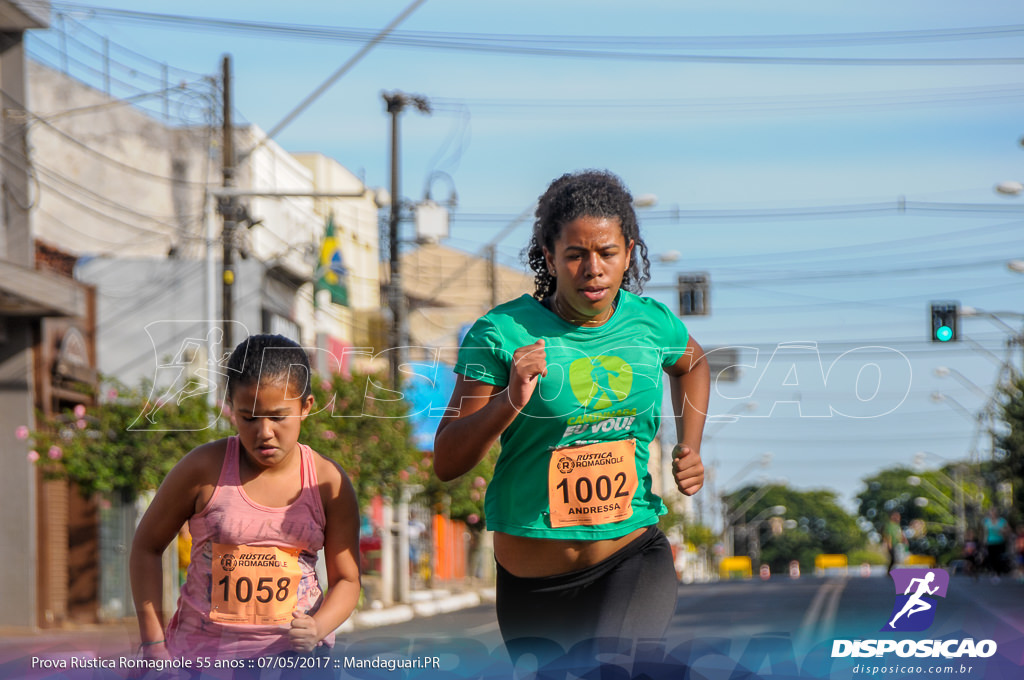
x=121 y=637
x=424 y=603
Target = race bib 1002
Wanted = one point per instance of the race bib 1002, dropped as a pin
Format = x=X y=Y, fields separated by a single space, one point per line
x=592 y=484
x=257 y=586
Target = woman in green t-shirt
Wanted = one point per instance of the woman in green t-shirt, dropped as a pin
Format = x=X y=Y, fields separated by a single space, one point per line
x=571 y=381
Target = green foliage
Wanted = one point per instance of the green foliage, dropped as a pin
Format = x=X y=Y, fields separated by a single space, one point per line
x=886 y=492
x=365 y=427
x=128 y=443
x=874 y=557
x=1009 y=440
x=822 y=526
x=464 y=496
x=928 y=509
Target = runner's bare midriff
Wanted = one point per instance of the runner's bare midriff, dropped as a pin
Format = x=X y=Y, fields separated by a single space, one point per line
x=535 y=557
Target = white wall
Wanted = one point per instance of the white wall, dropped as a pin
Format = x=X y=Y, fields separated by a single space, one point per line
x=110 y=180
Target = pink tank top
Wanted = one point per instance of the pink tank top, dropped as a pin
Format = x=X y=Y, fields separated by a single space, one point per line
x=250 y=566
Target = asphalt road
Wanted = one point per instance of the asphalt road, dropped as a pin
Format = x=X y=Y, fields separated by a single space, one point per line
x=775 y=629
x=779 y=629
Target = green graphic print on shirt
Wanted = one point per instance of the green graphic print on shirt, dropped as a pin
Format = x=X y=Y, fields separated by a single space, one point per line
x=604 y=383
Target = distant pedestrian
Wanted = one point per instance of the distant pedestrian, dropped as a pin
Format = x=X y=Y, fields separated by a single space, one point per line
x=997 y=530
x=972 y=555
x=895 y=540
x=1018 y=549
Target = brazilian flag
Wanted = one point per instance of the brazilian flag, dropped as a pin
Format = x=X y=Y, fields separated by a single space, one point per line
x=331 y=272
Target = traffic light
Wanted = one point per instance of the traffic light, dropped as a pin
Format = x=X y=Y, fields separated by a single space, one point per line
x=945 y=321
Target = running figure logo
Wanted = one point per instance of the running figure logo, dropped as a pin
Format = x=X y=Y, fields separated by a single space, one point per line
x=599 y=382
x=914 y=609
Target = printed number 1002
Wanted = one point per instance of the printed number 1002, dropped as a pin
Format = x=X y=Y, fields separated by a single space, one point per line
x=585 y=490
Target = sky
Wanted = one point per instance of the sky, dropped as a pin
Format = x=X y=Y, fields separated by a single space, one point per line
x=830 y=166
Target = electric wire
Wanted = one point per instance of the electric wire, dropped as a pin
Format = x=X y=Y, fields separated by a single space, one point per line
x=738 y=106
x=596 y=47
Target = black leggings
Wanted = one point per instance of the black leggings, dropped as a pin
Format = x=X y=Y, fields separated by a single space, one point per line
x=631 y=594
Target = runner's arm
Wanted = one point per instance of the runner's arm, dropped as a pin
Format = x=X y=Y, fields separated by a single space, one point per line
x=341 y=560
x=690 y=382
x=478 y=412
x=474 y=420
x=173 y=504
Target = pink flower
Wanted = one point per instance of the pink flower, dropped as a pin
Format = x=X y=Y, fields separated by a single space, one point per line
x=80 y=424
x=79 y=410
x=54 y=453
x=403 y=475
x=425 y=463
x=474 y=495
x=473 y=519
x=330 y=434
x=111 y=395
x=325 y=385
x=33 y=456
x=374 y=439
x=479 y=482
x=21 y=432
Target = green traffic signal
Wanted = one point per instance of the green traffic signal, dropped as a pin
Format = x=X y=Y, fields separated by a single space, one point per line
x=944 y=321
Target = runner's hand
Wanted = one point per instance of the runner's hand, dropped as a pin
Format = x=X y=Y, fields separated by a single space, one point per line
x=528 y=363
x=303 y=634
x=687 y=469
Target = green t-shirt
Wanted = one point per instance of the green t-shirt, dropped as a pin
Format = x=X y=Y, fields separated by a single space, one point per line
x=603 y=383
x=893 y=533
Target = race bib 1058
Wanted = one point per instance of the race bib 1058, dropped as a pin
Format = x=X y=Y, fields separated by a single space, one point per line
x=257 y=586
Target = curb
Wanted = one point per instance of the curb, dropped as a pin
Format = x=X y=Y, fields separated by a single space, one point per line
x=426 y=603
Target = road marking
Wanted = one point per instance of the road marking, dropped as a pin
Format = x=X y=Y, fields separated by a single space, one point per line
x=816 y=626
x=480 y=630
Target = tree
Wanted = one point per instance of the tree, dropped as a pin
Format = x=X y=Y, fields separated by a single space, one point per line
x=365 y=427
x=1008 y=441
x=128 y=443
x=927 y=504
x=463 y=498
x=822 y=526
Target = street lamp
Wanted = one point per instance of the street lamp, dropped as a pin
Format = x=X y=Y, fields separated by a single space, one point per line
x=942 y=398
x=944 y=371
x=958 y=505
x=730 y=518
x=1010 y=188
x=956 y=483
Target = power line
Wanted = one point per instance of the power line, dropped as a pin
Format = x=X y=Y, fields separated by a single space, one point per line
x=899 y=206
x=742 y=106
x=596 y=46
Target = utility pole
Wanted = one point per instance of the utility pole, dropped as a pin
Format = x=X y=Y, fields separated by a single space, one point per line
x=227 y=205
x=399 y=335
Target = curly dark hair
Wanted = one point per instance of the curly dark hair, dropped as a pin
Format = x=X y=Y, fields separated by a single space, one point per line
x=272 y=357
x=588 y=193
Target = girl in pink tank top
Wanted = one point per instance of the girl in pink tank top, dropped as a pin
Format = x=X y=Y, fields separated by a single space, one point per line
x=259 y=506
